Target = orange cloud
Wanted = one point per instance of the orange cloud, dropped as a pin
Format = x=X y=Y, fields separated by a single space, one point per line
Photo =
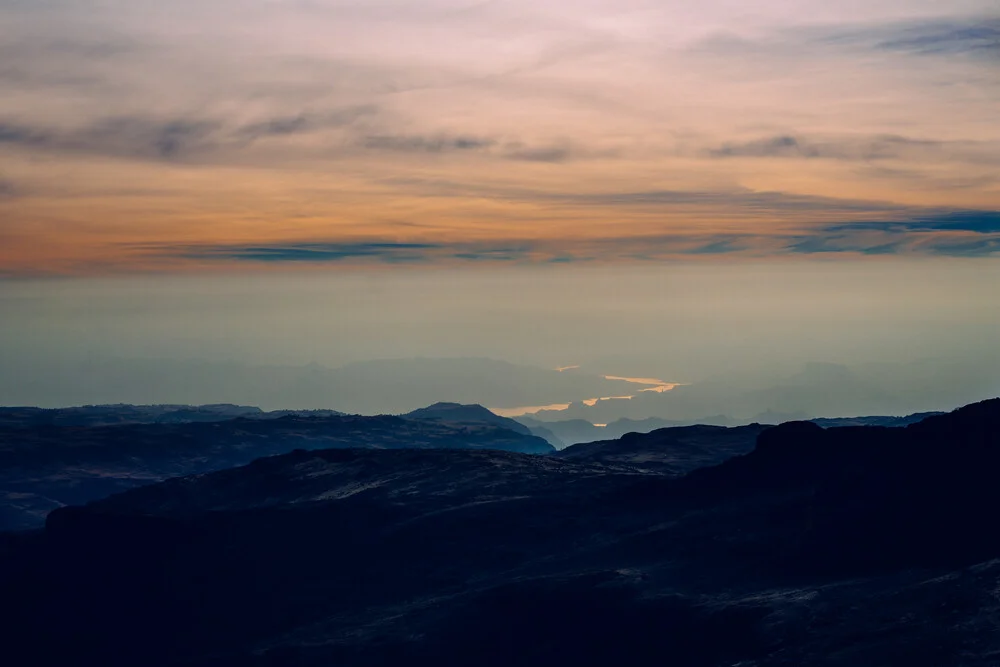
x=509 y=132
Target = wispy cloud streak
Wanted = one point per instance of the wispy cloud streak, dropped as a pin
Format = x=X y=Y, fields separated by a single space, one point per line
x=956 y=233
x=330 y=132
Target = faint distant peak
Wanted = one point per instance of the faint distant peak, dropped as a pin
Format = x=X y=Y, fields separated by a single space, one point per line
x=448 y=409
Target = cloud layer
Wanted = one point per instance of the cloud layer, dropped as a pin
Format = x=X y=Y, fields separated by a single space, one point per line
x=142 y=136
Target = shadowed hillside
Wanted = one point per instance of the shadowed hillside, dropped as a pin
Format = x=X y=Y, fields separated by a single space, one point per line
x=49 y=459
x=669 y=451
x=837 y=547
x=457 y=413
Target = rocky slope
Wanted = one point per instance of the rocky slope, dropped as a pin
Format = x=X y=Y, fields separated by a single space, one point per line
x=829 y=548
x=49 y=463
x=575 y=431
x=671 y=451
x=457 y=413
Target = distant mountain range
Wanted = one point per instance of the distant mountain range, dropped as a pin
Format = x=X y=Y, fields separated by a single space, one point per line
x=49 y=458
x=398 y=386
x=392 y=386
x=53 y=457
x=817 y=390
x=843 y=546
x=573 y=431
x=108 y=415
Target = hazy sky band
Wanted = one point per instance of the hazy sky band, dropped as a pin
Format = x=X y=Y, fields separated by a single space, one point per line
x=141 y=136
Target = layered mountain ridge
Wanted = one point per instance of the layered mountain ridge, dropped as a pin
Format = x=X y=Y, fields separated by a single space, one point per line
x=52 y=458
x=827 y=547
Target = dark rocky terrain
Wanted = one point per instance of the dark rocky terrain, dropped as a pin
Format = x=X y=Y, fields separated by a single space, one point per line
x=50 y=458
x=670 y=451
x=851 y=546
x=564 y=433
x=831 y=422
x=575 y=431
x=456 y=413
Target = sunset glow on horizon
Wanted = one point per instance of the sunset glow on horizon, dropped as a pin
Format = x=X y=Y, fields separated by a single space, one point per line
x=224 y=135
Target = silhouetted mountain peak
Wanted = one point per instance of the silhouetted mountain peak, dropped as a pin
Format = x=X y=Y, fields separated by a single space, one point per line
x=970 y=419
x=874 y=496
x=446 y=408
x=461 y=413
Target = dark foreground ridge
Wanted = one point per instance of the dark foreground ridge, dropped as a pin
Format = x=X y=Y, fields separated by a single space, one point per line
x=829 y=548
x=51 y=458
x=670 y=451
x=563 y=433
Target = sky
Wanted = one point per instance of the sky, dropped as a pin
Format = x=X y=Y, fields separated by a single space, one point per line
x=548 y=164
x=142 y=136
